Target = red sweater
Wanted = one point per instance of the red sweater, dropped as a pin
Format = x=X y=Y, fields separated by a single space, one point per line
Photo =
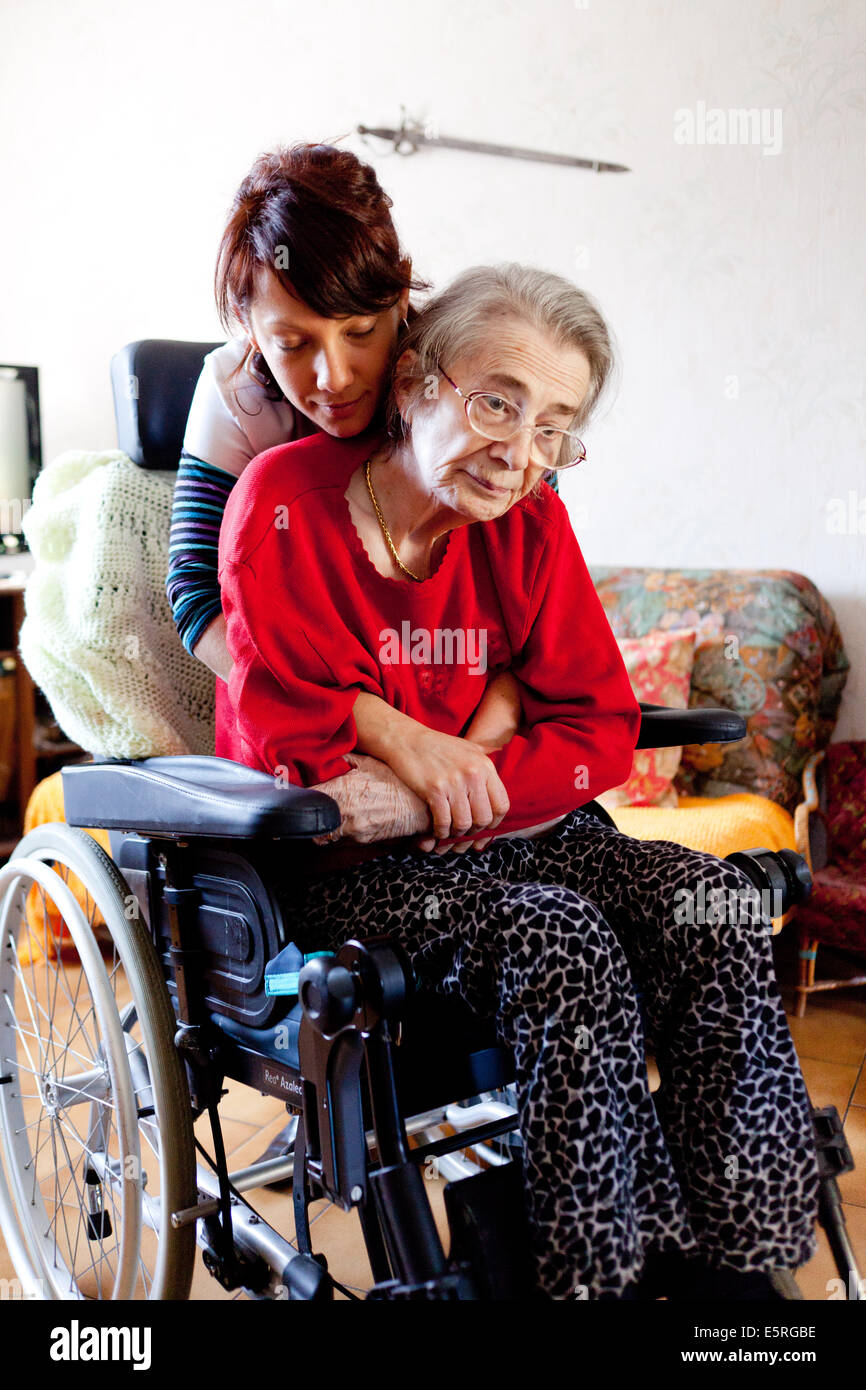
x=311 y=622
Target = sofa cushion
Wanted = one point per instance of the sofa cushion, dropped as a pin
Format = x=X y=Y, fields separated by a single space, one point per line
x=768 y=647
x=659 y=666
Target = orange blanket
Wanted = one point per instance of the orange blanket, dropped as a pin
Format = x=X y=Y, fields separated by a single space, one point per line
x=46 y=931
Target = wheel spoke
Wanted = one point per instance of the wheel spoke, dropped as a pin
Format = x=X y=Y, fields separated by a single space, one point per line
x=31 y=998
x=23 y=1034
x=82 y=1208
x=19 y=1031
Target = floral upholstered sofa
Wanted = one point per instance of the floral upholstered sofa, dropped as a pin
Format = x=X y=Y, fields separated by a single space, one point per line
x=766 y=645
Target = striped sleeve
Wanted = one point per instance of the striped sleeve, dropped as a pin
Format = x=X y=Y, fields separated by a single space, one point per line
x=193 y=590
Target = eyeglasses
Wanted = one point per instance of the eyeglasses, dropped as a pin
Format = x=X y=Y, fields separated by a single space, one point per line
x=494 y=417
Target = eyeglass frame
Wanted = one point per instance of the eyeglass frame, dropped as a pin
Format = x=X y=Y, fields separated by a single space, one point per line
x=567 y=434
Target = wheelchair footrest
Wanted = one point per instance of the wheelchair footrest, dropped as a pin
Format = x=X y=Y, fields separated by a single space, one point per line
x=781 y=876
x=834 y=1155
x=453 y=1286
x=490 y=1232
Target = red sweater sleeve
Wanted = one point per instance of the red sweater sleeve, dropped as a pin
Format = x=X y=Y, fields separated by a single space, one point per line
x=283 y=693
x=580 y=717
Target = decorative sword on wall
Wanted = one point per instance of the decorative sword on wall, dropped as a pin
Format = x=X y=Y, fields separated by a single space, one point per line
x=412 y=136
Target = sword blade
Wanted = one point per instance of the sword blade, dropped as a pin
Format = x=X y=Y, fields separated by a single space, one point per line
x=416 y=137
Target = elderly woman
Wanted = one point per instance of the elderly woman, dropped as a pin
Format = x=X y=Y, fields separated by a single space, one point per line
x=414 y=567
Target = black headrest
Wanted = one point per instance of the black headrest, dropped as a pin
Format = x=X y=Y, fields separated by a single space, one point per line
x=153 y=383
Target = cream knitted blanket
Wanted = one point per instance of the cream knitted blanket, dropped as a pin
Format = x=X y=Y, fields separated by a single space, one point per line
x=98 y=637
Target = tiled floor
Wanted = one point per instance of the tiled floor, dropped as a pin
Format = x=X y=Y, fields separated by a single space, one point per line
x=831 y=1043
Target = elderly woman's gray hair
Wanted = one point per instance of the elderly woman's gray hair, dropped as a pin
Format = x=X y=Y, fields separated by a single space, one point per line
x=458 y=322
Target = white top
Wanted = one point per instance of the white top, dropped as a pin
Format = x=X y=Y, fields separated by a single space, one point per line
x=231 y=421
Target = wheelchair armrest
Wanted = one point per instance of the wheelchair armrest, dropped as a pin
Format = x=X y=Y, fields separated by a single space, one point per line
x=191 y=794
x=661 y=727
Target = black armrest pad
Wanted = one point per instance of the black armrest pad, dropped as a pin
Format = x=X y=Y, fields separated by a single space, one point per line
x=192 y=794
x=667 y=728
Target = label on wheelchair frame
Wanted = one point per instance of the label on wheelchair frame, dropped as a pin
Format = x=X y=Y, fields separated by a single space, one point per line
x=281 y=1082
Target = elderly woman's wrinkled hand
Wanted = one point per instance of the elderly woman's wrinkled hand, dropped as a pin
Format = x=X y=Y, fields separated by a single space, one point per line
x=374 y=802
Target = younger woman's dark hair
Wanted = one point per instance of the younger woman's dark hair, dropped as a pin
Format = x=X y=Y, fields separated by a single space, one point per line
x=317 y=217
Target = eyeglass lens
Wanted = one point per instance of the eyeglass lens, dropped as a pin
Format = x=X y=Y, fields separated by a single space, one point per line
x=497 y=418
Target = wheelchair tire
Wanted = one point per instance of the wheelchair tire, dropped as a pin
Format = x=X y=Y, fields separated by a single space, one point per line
x=95 y=1117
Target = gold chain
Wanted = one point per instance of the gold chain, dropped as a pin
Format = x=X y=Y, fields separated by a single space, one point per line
x=385 y=532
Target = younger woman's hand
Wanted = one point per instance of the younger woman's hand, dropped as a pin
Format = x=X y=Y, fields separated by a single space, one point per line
x=457 y=780
x=453 y=776
x=494 y=724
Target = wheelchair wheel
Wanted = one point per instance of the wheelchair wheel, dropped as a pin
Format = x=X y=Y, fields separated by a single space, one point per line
x=95 y=1117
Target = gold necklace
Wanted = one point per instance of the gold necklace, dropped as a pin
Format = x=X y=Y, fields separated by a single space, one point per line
x=385 y=532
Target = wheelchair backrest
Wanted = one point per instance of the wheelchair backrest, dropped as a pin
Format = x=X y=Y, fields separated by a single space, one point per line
x=153 y=382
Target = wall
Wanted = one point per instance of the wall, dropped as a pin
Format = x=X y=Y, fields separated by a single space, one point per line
x=733 y=273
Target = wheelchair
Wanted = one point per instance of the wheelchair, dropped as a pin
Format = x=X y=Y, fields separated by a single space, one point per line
x=154 y=992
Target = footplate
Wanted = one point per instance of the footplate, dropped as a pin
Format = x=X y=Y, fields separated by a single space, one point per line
x=834 y=1155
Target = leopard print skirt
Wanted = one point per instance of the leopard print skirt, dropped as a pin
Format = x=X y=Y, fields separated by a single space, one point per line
x=583 y=945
